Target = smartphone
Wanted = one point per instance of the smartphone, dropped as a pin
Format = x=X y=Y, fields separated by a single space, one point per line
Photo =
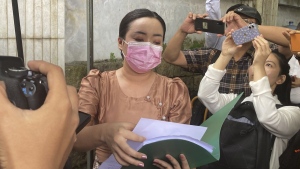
x=295 y=42
x=245 y=34
x=209 y=25
x=84 y=119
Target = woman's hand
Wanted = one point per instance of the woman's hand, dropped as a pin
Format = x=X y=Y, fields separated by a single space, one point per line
x=229 y=48
x=262 y=50
x=175 y=164
x=115 y=136
x=233 y=22
x=288 y=34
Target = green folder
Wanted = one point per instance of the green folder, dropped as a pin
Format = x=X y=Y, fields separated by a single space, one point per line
x=191 y=148
x=214 y=124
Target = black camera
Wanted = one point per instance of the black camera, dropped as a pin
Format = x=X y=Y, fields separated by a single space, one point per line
x=26 y=89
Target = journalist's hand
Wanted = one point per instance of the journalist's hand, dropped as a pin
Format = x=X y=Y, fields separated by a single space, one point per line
x=188 y=25
x=40 y=138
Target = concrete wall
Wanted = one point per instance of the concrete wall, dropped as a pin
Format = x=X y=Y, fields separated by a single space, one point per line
x=290 y=2
x=107 y=16
x=55 y=30
x=42 y=27
x=288 y=13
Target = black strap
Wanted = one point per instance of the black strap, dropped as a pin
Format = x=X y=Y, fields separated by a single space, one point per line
x=290 y=158
x=215 y=57
x=272 y=136
x=17 y=28
x=238 y=103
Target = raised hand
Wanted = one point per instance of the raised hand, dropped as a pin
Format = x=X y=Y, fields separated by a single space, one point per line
x=287 y=34
x=188 y=25
x=229 y=48
x=262 y=50
x=233 y=22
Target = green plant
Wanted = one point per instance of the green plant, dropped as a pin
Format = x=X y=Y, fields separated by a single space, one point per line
x=164 y=46
x=189 y=43
x=112 y=57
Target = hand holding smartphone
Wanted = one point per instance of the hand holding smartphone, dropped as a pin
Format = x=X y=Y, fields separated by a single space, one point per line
x=295 y=42
x=245 y=34
x=209 y=25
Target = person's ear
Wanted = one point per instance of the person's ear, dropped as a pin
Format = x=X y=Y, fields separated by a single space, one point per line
x=120 y=43
x=281 y=79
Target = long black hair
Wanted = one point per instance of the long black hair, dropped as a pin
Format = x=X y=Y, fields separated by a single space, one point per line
x=283 y=90
x=136 y=14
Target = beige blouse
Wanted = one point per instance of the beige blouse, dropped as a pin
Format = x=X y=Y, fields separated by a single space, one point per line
x=100 y=95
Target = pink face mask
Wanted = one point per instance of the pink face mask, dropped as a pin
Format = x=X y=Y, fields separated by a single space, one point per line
x=143 y=56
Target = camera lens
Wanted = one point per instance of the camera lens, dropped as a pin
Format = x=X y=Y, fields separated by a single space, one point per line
x=17 y=72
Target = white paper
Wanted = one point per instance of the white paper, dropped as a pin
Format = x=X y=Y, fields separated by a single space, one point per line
x=206 y=146
x=150 y=129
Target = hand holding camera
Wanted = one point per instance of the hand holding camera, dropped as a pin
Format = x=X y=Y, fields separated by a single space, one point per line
x=46 y=134
x=26 y=89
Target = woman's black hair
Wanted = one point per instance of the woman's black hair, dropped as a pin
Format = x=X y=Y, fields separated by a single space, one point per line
x=283 y=90
x=136 y=14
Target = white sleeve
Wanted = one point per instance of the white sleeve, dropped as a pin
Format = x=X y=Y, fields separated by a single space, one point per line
x=213 y=10
x=208 y=90
x=282 y=122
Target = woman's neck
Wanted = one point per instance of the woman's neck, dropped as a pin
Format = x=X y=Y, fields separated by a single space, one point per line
x=127 y=73
x=134 y=84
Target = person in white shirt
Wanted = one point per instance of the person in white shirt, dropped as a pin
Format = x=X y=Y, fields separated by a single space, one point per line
x=295 y=74
x=294 y=69
x=270 y=84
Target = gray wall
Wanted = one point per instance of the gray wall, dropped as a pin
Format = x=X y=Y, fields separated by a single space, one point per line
x=108 y=14
x=286 y=14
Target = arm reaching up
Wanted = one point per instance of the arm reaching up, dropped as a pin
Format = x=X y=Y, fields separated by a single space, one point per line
x=270 y=33
x=172 y=53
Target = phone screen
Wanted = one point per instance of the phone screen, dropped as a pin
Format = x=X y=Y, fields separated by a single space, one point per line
x=209 y=25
